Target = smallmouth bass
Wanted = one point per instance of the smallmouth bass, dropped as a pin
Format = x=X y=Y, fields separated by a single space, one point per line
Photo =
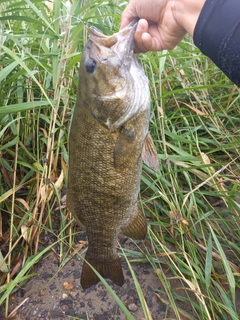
x=108 y=140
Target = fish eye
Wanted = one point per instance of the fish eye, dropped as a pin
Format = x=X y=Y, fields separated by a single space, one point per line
x=90 y=66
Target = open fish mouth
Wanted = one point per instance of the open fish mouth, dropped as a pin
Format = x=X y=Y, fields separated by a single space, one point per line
x=108 y=41
x=121 y=42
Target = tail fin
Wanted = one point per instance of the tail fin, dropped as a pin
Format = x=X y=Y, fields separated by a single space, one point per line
x=137 y=227
x=107 y=269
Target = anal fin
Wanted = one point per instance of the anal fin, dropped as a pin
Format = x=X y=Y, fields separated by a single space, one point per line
x=136 y=227
x=108 y=269
x=149 y=153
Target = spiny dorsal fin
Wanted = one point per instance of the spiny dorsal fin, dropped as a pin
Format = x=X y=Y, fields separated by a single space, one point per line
x=149 y=153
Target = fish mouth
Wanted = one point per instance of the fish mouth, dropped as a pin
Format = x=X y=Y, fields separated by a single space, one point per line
x=116 y=67
x=121 y=42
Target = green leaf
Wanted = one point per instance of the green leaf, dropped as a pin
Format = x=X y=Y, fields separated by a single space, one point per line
x=23 y=64
x=20 y=107
x=7 y=70
x=208 y=263
x=3 y=265
x=9 y=144
x=229 y=274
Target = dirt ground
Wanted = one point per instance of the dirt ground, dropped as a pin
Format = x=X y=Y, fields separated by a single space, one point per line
x=54 y=294
x=58 y=295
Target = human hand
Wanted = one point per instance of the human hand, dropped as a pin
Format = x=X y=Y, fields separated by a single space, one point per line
x=163 y=23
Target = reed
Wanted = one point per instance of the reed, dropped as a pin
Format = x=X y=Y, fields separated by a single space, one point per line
x=192 y=203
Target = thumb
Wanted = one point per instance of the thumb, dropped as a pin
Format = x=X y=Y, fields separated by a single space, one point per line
x=128 y=15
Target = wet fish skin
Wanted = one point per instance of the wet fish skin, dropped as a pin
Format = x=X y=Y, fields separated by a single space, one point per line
x=106 y=143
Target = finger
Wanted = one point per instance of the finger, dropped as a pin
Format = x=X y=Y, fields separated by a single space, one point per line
x=152 y=39
x=142 y=28
x=125 y=21
x=128 y=15
x=148 y=43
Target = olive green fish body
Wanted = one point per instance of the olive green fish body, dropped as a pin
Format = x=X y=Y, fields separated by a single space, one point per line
x=107 y=137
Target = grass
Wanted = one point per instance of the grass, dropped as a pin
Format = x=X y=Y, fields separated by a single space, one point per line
x=192 y=203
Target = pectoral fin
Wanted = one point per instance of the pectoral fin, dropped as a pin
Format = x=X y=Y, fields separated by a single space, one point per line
x=149 y=153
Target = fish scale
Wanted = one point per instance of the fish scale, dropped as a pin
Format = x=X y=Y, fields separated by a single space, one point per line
x=108 y=140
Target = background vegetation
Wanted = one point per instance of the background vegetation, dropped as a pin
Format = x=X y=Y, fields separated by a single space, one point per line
x=192 y=204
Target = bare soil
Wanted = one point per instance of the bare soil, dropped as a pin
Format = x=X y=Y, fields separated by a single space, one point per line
x=57 y=294
x=54 y=294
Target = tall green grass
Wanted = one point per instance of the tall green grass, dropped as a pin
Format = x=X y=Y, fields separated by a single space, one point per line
x=191 y=203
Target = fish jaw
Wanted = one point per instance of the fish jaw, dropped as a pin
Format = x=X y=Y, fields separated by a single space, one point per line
x=122 y=42
x=112 y=80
